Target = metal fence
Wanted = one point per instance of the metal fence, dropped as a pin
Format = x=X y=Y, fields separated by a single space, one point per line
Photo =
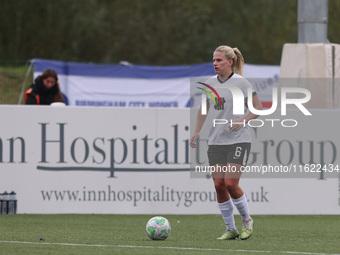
x=14 y=77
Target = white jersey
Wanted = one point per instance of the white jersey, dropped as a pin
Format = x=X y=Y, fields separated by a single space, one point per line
x=220 y=134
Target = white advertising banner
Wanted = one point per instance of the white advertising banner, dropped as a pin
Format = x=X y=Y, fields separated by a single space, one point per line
x=128 y=85
x=136 y=161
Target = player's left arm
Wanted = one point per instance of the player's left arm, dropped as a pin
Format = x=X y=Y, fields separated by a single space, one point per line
x=257 y=105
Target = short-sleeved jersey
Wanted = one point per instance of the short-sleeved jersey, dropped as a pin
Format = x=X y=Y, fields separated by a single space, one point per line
x=220 y=134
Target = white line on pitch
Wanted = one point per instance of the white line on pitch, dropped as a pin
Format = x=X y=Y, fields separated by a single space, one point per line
x=173 y=248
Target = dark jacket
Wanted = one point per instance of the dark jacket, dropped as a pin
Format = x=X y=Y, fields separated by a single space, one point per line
x=39 y=94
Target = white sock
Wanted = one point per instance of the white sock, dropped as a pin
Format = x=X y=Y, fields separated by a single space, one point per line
x=227 y=214
x=242 y=207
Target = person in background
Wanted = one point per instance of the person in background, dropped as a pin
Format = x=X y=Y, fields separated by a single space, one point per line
x=45 y=89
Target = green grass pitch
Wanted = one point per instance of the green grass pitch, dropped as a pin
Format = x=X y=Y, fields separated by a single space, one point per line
x=191 y=234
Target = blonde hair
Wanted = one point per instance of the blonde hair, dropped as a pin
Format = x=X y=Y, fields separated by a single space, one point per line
x=234 y=54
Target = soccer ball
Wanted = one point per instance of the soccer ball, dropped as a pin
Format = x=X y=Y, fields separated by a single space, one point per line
x=158 y=228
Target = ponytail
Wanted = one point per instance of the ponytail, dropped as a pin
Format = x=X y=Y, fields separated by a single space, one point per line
x=238 y=62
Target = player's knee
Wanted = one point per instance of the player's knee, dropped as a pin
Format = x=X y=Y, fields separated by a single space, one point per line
x=220 y=186
x=231 y=186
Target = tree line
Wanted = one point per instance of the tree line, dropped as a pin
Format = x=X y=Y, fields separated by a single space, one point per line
x=151 y=32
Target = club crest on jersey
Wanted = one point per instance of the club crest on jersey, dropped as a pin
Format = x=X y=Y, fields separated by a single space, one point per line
x=218 y=106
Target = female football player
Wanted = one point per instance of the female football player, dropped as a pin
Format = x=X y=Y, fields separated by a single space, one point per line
x=229 y=145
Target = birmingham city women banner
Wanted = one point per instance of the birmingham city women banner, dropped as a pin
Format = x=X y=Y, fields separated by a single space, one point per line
x=130 y=85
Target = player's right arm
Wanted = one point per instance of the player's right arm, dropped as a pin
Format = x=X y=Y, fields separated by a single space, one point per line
x=199 y=124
